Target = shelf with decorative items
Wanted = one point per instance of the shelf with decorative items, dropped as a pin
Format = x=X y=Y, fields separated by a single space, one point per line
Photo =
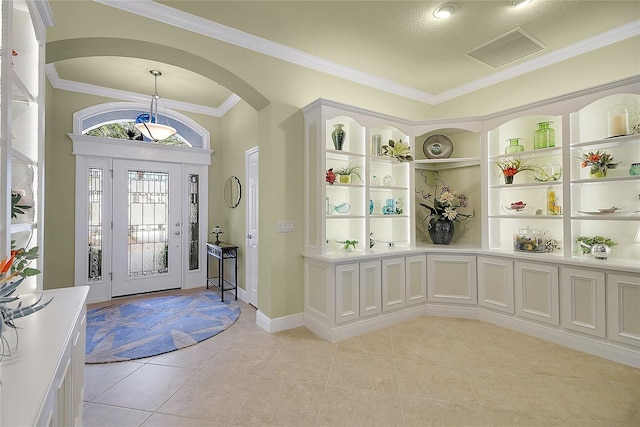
x=364 y=196
x=389 y=188
x=447 y=186
x=22 y=132
x=525 y=185
x=605 y=179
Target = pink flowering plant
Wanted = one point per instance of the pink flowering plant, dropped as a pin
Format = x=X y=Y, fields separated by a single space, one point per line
x=443 y=203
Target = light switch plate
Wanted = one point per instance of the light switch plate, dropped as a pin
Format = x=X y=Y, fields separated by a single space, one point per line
x=284 y=226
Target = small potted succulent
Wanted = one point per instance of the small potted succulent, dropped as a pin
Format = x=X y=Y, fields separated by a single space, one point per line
x=346 y=173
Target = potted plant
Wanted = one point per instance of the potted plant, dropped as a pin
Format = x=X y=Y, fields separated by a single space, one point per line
x=599 y=162
x=346 y=172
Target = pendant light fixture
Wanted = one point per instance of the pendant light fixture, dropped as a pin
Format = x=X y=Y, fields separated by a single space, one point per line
x=148 y=124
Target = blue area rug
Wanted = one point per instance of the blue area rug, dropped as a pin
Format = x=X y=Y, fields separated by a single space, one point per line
x=148 y=326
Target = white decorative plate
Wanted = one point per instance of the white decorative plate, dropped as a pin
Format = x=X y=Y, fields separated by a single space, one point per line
x=437 y=147
x=387 y=180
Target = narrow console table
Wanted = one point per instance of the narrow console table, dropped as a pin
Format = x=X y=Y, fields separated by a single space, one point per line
x=223 y=251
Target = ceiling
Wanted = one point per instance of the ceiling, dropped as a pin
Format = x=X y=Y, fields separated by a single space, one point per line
x=396 y=46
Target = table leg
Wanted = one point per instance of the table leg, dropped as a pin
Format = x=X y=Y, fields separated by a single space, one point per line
x=221 y=279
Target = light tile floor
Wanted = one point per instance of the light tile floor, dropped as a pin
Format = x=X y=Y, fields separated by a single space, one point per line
x=424 y=372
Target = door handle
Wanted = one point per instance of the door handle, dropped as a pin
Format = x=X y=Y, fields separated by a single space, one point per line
x=177 y=233
x=249 y=236
x=177 y=224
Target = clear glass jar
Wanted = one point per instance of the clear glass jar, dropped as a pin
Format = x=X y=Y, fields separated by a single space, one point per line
x=514 y=146
x=618 y=120
x=544 y=137
x=528 y=240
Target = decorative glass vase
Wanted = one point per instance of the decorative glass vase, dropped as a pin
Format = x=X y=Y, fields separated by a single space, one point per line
x=508 y=179
x=618 y=120
x=338 y=136
x=634 y=169
x=345 y=179
x=544 y=137
x=597 y=173
x=441 y=231
x=514 y=146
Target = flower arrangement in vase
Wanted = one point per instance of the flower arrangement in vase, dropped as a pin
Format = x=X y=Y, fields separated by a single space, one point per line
x=444 y=208
x=510 y=166
x=599 y=162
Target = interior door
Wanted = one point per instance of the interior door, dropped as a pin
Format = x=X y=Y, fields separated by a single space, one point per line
x=147 y=227
x=252 y=226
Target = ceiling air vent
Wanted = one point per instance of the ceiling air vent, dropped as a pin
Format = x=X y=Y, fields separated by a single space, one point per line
x=507 y=48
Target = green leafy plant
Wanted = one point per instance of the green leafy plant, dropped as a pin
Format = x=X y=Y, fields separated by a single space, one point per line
x=398 y=150
x=599 y=162
x=348 y=171
x=585 y=243
x=13 y=270
x=16 y=207
x=348 y=243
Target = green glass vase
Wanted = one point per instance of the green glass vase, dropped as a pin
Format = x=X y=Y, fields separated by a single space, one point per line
x=544 y=137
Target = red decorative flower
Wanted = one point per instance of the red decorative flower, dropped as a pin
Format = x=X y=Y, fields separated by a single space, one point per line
x=331 y=176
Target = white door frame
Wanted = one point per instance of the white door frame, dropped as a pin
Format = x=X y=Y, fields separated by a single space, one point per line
x=251 y=217
x=99 y=152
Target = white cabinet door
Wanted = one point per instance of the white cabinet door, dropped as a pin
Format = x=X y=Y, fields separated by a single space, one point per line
x=495 y=284
x=623 y=308
x=452 y=279
x=416 y=279
x=370 y=288
x=536 y=292
x=347 y=289
x=582 y=298
x=393 y=284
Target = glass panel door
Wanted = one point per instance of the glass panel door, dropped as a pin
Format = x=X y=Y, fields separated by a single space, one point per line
x=146 y=227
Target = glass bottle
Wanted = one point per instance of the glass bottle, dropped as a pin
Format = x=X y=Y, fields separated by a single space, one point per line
x=514 y=146
x=553 y=208
x=544 y=137
x=618 y=120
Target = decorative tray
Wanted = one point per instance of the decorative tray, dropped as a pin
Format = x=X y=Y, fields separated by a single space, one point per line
x=524 y=210
x=437 y=147
x=608 y=212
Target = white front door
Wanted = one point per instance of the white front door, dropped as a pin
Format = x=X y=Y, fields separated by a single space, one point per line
x=252 y=226
x=147 y=227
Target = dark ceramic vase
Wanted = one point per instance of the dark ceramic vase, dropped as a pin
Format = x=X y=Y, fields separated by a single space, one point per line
x=441 y=231
x=338 y=135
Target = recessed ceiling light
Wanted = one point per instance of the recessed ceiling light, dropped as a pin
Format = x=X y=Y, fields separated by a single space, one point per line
x=519 y=3
x=444 y=11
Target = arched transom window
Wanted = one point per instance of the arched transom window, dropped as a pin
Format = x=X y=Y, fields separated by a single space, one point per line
x=117 y=119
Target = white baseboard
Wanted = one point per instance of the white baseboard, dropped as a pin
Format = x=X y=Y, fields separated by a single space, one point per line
x=280 y=323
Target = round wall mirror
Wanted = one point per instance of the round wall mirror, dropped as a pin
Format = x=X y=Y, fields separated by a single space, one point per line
x=232 y=191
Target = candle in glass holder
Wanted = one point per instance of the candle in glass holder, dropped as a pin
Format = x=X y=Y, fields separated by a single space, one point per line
x=618 y=117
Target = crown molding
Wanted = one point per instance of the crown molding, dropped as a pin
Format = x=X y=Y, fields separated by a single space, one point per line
x=207 y=28
x=89 y=89
x=214 y=30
